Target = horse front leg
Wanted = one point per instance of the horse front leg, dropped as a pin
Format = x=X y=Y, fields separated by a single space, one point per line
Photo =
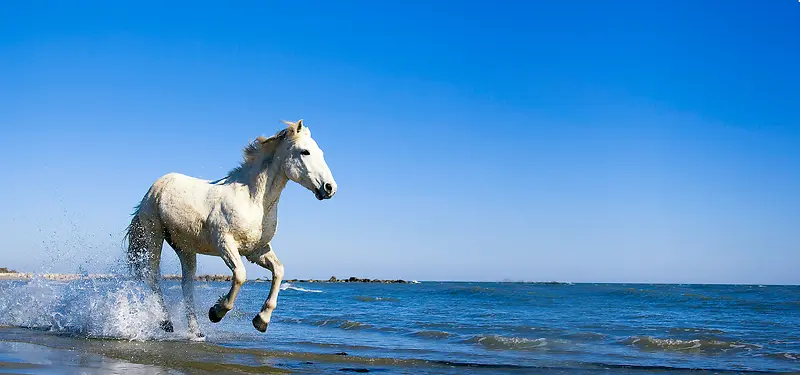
x=267 y=259
x=230 y=254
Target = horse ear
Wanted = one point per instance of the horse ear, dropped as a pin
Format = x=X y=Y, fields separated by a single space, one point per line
x=294 y=127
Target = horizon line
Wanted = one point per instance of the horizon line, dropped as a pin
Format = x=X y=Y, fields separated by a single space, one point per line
x=343 y=280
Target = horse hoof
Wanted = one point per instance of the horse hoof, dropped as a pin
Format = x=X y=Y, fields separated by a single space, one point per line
x=197 y=336
x=166 y=325
x=213 y=316
x=260 y=324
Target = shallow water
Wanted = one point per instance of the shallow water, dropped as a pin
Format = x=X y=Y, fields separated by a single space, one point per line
x=27 y=358
x=437 y=327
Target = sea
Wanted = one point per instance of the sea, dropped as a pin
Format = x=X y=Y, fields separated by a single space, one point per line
x=424 y=328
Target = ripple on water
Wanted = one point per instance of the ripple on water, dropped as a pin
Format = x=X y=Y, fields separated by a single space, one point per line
x=434 y=334
x=341 y=323
x=792 y=357
x=376 y=299
x=692 y=330
x=586 y=336
x=469 y=290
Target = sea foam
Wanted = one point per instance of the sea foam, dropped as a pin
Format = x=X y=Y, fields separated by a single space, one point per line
x=288 y=286
x=121 y=309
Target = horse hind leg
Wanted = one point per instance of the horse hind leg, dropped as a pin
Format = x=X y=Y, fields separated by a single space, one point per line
x=153 y=280
x=152 y=270
x=188 y=269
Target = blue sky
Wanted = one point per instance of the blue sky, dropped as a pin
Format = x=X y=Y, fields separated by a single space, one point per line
x=618 y=141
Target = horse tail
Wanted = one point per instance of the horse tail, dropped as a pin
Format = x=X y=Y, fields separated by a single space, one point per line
x=146 y=234
x=137 y=246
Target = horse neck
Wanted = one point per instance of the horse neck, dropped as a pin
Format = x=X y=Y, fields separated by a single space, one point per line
x=267 y=183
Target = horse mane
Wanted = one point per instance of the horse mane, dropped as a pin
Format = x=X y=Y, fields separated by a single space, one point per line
x=261 y=148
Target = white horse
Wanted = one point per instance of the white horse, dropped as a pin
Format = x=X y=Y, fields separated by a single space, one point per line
x=229 y=218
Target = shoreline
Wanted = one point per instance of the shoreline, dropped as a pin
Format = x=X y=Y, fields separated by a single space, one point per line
x=25 y=276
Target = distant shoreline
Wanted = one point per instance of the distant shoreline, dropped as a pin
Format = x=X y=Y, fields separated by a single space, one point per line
x=22 y=276
x=10 y=275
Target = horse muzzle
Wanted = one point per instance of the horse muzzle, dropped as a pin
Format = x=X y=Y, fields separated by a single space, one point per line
x=326 y=191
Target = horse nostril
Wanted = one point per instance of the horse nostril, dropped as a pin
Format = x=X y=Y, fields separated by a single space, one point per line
x=328 y=188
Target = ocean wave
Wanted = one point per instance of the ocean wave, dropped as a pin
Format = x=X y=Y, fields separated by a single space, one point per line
x=341 y=323
x=498 y=342
x=670 y=296
x=433 y=324
x=640 y=293
x=287 y=286
x=470 y=291
x=522 y=282
x=376 y=299
x=500 y=295
x=785 y=356
x=707 y=331
x=434 y=334
x=701 y=297
x=788 y=340
x=586 y=336
x=695 y=345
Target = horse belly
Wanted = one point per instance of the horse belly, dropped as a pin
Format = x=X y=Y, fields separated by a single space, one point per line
x=184 y=224
x=189 y=236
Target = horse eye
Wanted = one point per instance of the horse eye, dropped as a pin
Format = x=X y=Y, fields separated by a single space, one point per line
x=305 y=152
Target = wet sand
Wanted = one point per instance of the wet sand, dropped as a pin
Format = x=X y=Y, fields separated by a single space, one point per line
x=32 y=351
x=35 y=351
x=25 y=358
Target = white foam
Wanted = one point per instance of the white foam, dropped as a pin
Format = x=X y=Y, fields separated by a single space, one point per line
x=121 y=309
x=287 y=286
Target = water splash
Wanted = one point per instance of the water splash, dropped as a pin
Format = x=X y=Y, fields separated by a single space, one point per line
x=117 y=308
